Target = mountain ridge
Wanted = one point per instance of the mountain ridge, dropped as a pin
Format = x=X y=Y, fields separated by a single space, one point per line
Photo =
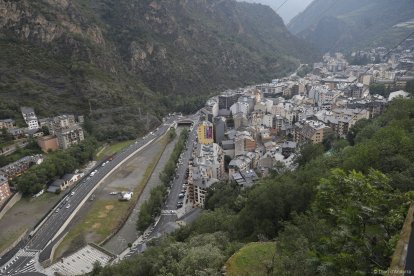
x=347 y=25
x=125 y=59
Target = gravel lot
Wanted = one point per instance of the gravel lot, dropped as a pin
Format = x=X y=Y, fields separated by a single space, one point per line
x=128 y=233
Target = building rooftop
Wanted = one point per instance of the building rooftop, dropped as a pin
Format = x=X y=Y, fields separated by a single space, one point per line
x=68 y=176
x=58 y=183
x=289 y=144
x=245 y=178
x=7 y=120
x=398 y=94
x=26 y=110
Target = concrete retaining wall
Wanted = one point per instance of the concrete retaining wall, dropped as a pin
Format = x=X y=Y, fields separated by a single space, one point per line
x=13 y=200
x=14 y=244
x=49 y=261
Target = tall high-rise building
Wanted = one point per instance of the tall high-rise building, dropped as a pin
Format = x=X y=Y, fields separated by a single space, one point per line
x=227 y=100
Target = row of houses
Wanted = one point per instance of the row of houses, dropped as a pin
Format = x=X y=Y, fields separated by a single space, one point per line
x=13 y=170
x=63 y=183
x=64 y=130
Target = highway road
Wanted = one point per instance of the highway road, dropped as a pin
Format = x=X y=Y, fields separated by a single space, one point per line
x=26 y=253
x=169 y=215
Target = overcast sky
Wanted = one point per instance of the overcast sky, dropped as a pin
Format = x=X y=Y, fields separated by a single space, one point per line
x=288 y=10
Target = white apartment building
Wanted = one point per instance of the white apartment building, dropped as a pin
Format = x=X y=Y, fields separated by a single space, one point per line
x=29 y=117
x=207 y=168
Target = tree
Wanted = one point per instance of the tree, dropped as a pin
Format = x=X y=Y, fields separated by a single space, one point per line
x=358 y=207
x=223 y=195
x=5 y=135
x=379 y=89
x=308 y=152
x=45 y=130
x=355 y=130
x=227 y=160
x=97 y=268
x=410 y=87
x=329 y=140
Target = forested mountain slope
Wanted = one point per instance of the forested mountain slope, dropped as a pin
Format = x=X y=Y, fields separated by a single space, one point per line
x=350 y=24
x=122 y=59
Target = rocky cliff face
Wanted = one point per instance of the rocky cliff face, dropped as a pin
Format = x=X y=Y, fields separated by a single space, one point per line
x=124 y=59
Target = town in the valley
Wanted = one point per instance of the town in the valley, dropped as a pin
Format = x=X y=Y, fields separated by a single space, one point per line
x=240 y=135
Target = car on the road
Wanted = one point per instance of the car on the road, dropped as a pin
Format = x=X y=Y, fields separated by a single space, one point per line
x=113 y=193
x=57 y=210
x=68 y=206
x=72 y=193
x=30 y=262
x=181 y=195
x=179 y=204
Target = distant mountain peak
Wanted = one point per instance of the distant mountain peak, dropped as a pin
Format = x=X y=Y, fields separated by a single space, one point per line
x=349 y=24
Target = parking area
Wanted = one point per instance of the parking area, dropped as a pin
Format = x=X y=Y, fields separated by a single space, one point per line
x=81 y=262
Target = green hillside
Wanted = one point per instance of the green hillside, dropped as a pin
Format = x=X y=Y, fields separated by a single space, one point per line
x=253 y=259
x=125 y=63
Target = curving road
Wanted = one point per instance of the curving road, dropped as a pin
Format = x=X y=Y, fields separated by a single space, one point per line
x=24 y=256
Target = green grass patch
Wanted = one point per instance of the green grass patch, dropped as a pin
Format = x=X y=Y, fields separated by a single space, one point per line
x=106 y=216
x=113 y=148
x=45 y=197
x=252 y=259
x=7 y=239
